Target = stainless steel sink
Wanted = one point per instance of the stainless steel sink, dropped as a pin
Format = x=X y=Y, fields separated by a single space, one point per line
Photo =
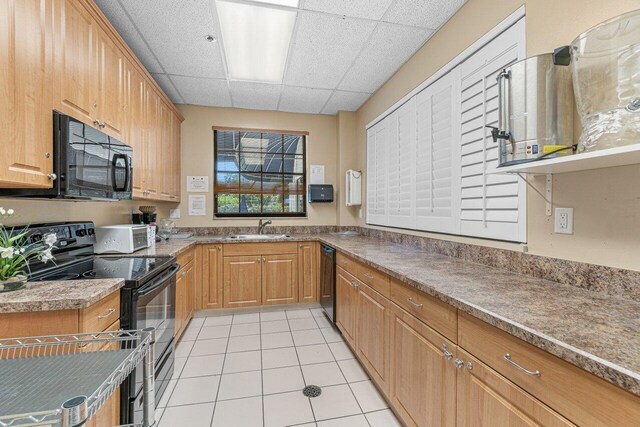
x=258 y=236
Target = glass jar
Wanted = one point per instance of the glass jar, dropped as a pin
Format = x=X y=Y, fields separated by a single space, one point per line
x=605 y=63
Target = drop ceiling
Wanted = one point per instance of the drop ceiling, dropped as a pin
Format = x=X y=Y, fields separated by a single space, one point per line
x=340 y=53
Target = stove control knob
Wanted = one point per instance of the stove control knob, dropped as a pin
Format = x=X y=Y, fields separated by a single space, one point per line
x=91 y=232
x=81 y=232
x=35 y=238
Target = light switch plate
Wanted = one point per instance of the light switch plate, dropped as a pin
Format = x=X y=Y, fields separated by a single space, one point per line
x=174 y=213
x=563 y=221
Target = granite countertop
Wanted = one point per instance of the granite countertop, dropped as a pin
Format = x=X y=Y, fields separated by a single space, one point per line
x=594 y=331
x=58 y=295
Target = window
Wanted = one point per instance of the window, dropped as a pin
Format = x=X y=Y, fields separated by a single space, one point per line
x=259 y=174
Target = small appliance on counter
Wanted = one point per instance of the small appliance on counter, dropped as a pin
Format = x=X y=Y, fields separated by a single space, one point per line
x=121 y=239
x=147 y=215
x=536 y=109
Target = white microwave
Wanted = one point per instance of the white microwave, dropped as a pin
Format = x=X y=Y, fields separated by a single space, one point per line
x=120 y=239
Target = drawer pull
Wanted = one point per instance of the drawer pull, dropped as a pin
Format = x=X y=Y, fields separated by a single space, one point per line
x=354 y=284
x=458 y=363
x=413 y=303
x=107 y=314
x=507 y=358
x=447 y=354
x=368 y=276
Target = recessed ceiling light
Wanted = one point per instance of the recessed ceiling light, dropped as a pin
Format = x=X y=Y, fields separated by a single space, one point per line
x=256 y=40
x=288 y=3
x=211 y=39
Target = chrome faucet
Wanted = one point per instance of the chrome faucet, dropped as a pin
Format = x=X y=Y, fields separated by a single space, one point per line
x=262 y=225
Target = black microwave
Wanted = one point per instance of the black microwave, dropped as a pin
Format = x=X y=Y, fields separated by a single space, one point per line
x=87 y=164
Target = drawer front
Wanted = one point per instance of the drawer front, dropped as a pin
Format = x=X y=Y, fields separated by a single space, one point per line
x=186 y=257
x=346 y=263
x=275 y=248
x=101 y=315
x=576 y=394
x=374 y=278
x=437 y=314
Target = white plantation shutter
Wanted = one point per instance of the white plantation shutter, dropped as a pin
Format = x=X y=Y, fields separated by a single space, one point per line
x=400 y=149
x=491 y=206
x=435 y=154
x=377 y=174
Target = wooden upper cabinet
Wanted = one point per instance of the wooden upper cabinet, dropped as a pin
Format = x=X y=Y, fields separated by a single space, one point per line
x=153 y=144
x=423 y=381
x=308 y=271
x=177 y=156
x=111 y=100
x=487 y=399
x=211 y=291
x=165 y=152
x=346 y=305
x=136 y=127
x=26 y=55
x=242 y=281
x=372 y=336
x=76 y=61
x=279 y=279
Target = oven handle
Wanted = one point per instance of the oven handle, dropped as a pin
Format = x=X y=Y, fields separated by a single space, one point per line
x=155 y=285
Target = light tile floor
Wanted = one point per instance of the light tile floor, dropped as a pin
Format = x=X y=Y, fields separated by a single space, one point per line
x=249 y=370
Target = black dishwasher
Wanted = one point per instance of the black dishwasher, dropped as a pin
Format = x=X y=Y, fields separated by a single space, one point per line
x=328 y=281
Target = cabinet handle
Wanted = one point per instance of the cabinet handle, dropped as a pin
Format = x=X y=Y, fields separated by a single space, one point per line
x=507 y=358
x=447 y=354
x=368 y=276
x=52 y=176
x=107 y=314
x=96 y=122
x=264 y=260
x=413 y=303
x=184 y=273
x=354 y=284
x=458 y=363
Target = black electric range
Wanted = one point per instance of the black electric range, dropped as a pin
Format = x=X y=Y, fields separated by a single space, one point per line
x=148 y=298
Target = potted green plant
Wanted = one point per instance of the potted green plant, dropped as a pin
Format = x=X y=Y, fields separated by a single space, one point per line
x=16 y=251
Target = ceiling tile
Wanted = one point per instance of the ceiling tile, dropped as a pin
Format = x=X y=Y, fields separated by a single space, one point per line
x=175 y=32
x=422 y=13
x=345 y=101
x=167 y=86
x=303 y=100
x=127 y=30
x=259 y=96
x=369 y=9
x=200 y=91
x=324 y=48
x=389 y=47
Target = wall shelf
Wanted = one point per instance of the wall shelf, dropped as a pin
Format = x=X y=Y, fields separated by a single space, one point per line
x=610 y=157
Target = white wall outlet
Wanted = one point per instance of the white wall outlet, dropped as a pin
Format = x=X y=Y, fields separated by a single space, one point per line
x=360 y=213
x=563 y=223
x=174 y=213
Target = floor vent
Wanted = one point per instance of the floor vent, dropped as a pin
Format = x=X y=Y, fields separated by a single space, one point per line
x=312 y=391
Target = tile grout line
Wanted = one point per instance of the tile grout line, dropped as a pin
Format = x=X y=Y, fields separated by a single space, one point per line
x=261 y=367
x=224 y=359
x=304 y=380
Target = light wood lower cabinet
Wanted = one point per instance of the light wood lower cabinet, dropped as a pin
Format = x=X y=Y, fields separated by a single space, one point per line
x=185 y=290
x=487 y=399
x=279 y=279
x=308 y=265
x=346 y=305
x=423 y=378
x=373 y=335
x=242 y=281
x=211 y=282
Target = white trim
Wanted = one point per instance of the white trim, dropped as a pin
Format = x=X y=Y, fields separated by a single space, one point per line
x=486 y=38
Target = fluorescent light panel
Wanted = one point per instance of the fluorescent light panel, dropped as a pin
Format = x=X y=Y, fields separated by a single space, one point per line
x=256 y=40
x=287 y=3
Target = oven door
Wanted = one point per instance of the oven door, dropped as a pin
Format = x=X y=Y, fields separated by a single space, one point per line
x=95 y=165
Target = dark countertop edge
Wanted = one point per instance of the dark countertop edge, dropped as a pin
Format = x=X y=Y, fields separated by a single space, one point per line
x=62 y=303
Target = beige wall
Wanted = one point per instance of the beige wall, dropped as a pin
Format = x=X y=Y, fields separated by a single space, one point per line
x=101 y=213
x=197 y=155
x=606 y=202
x=347 y=159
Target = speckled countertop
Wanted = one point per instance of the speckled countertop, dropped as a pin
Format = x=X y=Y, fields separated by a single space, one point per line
x=58 y=295
x=596 y=332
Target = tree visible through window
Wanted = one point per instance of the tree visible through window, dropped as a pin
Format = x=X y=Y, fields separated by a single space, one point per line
x=259 y=174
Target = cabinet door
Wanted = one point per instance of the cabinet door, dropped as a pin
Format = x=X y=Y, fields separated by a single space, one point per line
x=153 y=141
x=346 y=305
x=242 y=281
x=76 y=61
x=164 y=155
x=176 y=157
x=136 y=129
x=190 y=279
x=181 y=295
x=486 y=398
x=112 y=93
x=26 y=142
x=279 y=279
x=423 y=381
x=308 y=272
x=211 y=276
x=372 y=336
